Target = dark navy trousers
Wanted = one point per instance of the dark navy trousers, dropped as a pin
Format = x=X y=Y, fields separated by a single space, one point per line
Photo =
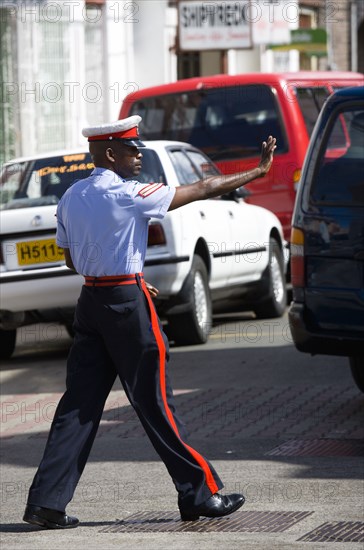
x=117 y=333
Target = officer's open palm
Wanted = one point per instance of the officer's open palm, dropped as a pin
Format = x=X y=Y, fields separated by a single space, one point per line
x=266 y=158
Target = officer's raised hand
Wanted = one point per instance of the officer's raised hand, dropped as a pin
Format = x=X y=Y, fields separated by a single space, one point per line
x=266 y=158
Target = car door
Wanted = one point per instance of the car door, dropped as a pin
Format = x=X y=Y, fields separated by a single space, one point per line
x=250 y=228
x=334 y=244
x=209 y=219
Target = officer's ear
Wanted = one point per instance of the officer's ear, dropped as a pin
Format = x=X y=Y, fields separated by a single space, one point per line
x=110 y=155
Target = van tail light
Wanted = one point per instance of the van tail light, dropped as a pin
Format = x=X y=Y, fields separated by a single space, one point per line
x=156 y=235
x=296 y=179
x=297 y=257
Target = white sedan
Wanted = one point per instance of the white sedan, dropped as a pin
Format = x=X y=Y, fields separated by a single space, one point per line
x=208 y=254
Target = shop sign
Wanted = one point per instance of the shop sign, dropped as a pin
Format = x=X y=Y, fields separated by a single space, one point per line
x=214 y=25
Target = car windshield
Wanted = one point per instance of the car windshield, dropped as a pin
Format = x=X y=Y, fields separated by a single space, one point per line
x=339 y=178
x=41 y=182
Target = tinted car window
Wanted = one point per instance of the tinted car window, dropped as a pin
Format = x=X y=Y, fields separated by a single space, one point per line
x=311 y=100
x=340 y=180
x=42 y=181
x=226 y=122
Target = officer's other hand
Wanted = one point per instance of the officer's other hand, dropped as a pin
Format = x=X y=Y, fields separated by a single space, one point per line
x=152 y=290
x=266 y=158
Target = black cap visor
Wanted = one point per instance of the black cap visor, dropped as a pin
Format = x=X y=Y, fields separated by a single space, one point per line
x=133 y=142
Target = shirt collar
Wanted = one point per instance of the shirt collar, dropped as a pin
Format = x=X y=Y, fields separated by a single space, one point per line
x=98 y=171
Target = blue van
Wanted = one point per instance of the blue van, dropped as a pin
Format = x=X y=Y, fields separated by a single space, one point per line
x=327 y=241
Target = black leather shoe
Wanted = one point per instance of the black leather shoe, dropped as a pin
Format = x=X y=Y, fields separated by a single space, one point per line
x=50 y=519
x=214 y=507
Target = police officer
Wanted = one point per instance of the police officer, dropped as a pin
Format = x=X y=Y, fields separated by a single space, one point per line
x=102 y=225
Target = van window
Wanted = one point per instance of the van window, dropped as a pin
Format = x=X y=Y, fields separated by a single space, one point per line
x=340 y=180
x=311 y=100
x=226 y=123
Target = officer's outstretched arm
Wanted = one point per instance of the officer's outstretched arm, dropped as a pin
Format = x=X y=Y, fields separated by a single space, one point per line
x=215 y=186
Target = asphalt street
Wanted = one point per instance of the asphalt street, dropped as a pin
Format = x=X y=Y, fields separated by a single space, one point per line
x=284 y=428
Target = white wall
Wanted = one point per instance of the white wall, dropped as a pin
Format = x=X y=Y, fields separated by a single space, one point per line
x=210 y=63
x=119 y=25
x=150 y=52
x=244 y=61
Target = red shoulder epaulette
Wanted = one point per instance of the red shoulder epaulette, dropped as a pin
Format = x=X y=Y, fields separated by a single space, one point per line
x=149 y=189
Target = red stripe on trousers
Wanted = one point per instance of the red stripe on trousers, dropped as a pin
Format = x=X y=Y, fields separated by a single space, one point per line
x=211 y=483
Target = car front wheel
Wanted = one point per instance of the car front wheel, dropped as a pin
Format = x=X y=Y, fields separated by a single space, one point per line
x=7 y=343
x=357 y=371
x=193 y=326
x=275 y=302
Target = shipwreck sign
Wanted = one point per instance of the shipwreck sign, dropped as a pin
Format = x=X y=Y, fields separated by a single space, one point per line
x=214 y=25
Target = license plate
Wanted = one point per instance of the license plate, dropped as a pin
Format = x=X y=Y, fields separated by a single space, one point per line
x=39 y=252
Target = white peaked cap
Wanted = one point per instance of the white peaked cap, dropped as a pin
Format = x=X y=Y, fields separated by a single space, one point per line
x=125 y=130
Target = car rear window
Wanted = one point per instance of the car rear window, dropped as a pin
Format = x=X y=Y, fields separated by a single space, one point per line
x=339 y=177
x=42 y=181
x=226 y=123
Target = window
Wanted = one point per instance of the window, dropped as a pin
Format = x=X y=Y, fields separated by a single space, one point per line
x=204 y=165
x=11 y=179
x=311 y=101
x=43 y=181
x=188 y=65
x=226 y=123
x=185 y=170
x=191 y=166
x=152 y=169
x=339 y=180
x=94 y=61
x=9 y=111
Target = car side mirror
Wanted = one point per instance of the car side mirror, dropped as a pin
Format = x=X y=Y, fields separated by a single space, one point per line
x=242 y=192
x=239 y=193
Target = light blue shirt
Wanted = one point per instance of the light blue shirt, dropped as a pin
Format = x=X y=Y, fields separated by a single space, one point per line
x=103 y=220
